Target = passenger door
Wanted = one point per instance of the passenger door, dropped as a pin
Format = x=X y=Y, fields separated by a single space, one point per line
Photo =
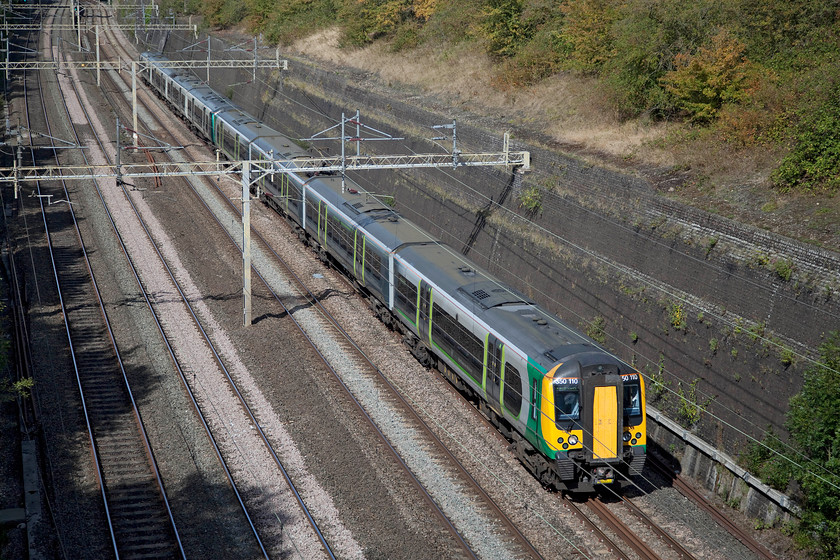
x=493 y=372
x=423 y=327
x=359 y=258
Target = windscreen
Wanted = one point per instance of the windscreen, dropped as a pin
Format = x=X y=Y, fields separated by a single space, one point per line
x=566 y=401
x=632 y=396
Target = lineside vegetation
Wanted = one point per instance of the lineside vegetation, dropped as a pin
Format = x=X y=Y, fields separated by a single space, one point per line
x=758 y=72
x=809 y=465
x=754 y=72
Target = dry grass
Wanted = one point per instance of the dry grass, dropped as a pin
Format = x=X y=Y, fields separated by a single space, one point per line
x=571 y=109
x=575 y=112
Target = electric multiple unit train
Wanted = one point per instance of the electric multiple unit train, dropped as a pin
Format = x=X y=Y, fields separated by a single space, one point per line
x=575 y=414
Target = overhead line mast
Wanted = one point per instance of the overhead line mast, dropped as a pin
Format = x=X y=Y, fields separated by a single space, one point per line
x=251 y=171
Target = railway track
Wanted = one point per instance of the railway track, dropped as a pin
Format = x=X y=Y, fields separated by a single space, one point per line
x=350 y=347
x=139 y=518
x=136 y=524
x=444 y=456
x=689 y=492
x=164 y=328
x=242 y=400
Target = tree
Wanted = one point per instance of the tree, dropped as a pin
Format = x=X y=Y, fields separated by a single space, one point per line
x=703 y=81
x=587 y=28
x=504 y=28
x=647 y=36
x=814 y=162
x=814 y=426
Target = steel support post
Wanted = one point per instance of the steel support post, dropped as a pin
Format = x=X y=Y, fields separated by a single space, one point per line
x=343 y=160
x=246 y=243
x=134 y=99
x=98 y=62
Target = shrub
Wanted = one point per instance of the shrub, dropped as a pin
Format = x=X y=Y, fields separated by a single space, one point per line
x=784 y=269
x=595 y=330
x=530 y=198
x=813 y=165
x=768 y=460
x=786 y=356
x=647 y=36
x=503 y=27
x=21 y=388
x=538 y=59
x=703 y=81
x=224 y=13
x=677 y=316
x=657 y=386
x=587 y=33
x=364 y=22
x=690 y=408
x=814 y=427
x=288 y=21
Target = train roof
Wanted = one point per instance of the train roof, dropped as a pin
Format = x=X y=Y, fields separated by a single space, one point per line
x=264 y=137
x=513 y=315
x=365 y=209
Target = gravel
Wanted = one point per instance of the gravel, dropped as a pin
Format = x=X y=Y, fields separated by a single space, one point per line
x=323 y=443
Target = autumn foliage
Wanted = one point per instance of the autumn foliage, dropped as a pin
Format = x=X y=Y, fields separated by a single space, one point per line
x=702 y=82
x=760 y=71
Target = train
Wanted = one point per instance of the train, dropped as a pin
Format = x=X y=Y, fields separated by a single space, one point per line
x=574 y=414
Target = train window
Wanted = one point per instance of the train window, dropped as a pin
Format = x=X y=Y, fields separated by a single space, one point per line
x=207 y=123
x=632 y=400
x=441 y=326
x=196 y=112
x=462 y=346
x=566 y=403
x=341 y=234
x=312 y=213
x=513 y=390
x=230 y=141
x=293 y=192
x=373 y=267
x=406 y=297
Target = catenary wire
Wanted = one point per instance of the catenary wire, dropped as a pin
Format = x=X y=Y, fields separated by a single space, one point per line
x=639 y=278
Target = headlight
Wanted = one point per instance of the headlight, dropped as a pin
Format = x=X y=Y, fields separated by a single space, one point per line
x=560 y=439
x=573 y=440
x=638 y=435
x=625 y=437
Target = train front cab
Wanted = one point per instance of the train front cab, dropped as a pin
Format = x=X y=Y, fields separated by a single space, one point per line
x=593 y=422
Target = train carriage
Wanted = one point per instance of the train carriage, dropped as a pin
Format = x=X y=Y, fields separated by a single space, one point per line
x=574 y=413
